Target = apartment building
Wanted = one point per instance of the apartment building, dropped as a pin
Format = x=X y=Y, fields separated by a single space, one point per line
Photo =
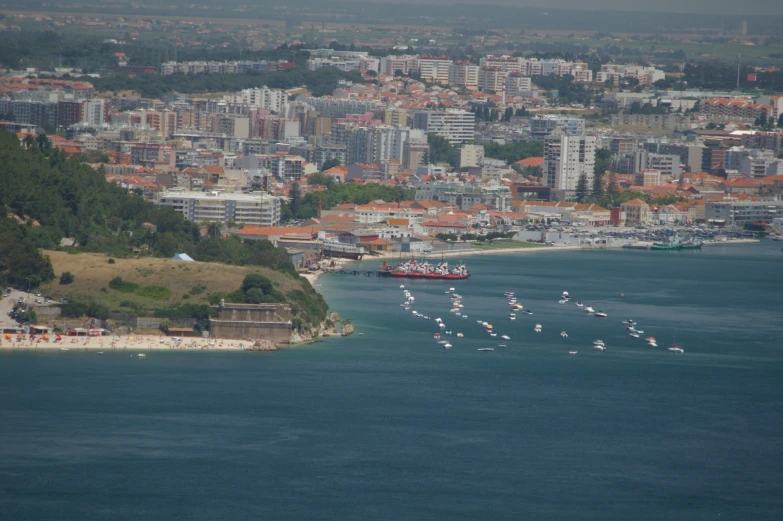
x=287 y=167
x=543 y=126
x=402 y=64
x=566 y=158
x=492 y=79
x=255 y=208
x=395 y=117
x=518 y=85
x=456 y=125
x=434 y=69
x=739 y=108
x=736 y=213
x=471 y=155
x=465 y=74
x=275 y=100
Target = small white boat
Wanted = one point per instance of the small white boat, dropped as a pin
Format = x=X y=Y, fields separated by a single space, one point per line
x=438 y=320
x=564 y=334
x=486 y=349
x=493 y=334
x=464 y=316
x=100 y=352
x=579 y=304
x=505 y=337
x=458 y=314
x=448 y=331
x=562 y=301
x=512 y=318
x=446 y=346
x=441 y=325
x=572 y=352
x=634 y=335
x=565 y=294
x=443 y=342
x=415 y=313
x=589 y=309
x=527 y=311
x=600 y=314
x=502 y=345
x=652 y=344
x=460 y=335
x=675 y=348
x=640 y=331
x=480 y=322
x=599 y=343
x=64 y=349
x=141 y=355
x=447 y=292
x=402 y=286
x=451 y=289
x=538 y=328
x=600 y=348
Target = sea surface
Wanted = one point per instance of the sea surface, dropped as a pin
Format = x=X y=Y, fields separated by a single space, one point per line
x=387 y=425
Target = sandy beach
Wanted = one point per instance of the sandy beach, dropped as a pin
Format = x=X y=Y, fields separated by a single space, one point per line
x=130 y=344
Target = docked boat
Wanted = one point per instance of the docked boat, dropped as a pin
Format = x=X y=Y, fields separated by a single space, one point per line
x=674 y=245
x=424 y=270
x=600 y=314
x=333 y=248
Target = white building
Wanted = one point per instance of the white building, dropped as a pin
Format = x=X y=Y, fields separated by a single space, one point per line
x=543 y=126
x=275 y=100
x=434 y=68
x=471 y=155
x=94 y=112
x=492 y=79
x=566 y=158
x=255 y=208
x=518 y=85
x=456 y=125
x=464 y=73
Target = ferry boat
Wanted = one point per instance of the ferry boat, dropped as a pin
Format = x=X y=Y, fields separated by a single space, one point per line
x=332 y=248
x=424 y=270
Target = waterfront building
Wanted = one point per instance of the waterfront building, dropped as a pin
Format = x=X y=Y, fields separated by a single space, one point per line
x=255 y=208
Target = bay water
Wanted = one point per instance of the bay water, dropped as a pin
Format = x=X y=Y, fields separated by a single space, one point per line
x=386 y=424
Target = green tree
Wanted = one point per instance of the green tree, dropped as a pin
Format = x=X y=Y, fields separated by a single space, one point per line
x=611 y=187
x=330 y=163
x=66 y=278
x=295 y=198
x=581 y=188
x=442 y=151
x=603 y=158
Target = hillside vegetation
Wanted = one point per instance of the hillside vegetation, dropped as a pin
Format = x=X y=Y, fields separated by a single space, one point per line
x=48 y=197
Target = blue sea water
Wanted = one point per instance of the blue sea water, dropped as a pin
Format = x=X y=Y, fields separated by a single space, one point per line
x=385 y=424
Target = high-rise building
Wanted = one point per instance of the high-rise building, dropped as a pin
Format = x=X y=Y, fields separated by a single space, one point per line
x=457 y=126
x=566 y=158
x=414 y=154
x=543 y=126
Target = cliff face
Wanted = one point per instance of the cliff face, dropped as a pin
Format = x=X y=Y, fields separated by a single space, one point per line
x=306 y=337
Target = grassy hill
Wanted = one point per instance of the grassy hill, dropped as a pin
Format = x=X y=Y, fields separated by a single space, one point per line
x=150 y=283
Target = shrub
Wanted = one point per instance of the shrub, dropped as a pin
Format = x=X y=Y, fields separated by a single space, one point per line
x=66 y=278
x=153 y=292
x=197 y=290
x=112 y=261
x=121 y=285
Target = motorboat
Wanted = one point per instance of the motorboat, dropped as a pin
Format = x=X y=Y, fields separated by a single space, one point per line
x=599 y=343
x=600 y=314
x=441 y=325
x=565 y=294
x=443 y=342
x=438 y=320
x=448 y=331
x=600 y=348
x=589 y=309
x=402 y=286
x=564 y=334
x=572 y=352
x=493 y=334
x=640 y=331
x=64 y=349
x=460 y=335
x=538 y=328
x=505 y=337
x=527 y=311
x=634 y=335
x=142 y=355
x=451 y=289
x=579 y=304
x=437 y=336
x=563 y=301
x=675 y=348
x=458 y=314
x=652 y=344
x=446 y=346
x=502 y=345
x=486 y=349
x=100 y=352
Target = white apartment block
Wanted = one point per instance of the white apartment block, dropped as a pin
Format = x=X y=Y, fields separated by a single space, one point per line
x=258 y=209
x=370 y=214
x=566 y=158
x=456 y=125
x=741 y=108
x=645 y=75
x=471 y=155
x=518 y=85
x=391 y=64
x=504 y=63
x=94 y=111
x=434 y=68
x=275 y=100
x=492 y=79
x=465 y=74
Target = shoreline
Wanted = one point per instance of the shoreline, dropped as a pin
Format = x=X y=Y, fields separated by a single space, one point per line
x=129 y=344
